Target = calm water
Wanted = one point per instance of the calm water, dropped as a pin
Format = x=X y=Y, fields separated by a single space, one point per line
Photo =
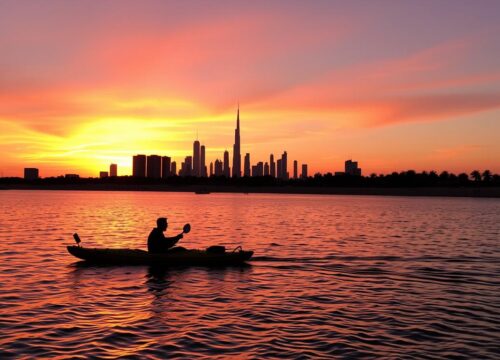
x=334 y=276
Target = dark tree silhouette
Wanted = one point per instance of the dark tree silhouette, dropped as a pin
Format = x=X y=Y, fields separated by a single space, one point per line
x=486 y=176
x=401 y=179
x=476 y=175
x=444 y=176
x=463 y=179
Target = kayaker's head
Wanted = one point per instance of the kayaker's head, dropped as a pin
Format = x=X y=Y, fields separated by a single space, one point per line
x=162 y=223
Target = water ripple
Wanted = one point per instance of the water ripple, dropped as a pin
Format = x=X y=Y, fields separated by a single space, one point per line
x=349 y=277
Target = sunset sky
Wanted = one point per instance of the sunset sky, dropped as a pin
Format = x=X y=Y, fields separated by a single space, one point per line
x=396 y=85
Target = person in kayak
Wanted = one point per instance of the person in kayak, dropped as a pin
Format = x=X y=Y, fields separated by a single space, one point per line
x=157 y=242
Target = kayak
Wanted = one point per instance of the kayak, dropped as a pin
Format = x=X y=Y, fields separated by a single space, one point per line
x=140 y=257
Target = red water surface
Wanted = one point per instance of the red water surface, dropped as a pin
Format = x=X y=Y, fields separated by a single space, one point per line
x=332 y=276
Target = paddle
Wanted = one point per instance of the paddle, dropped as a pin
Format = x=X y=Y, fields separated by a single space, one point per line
x=77 y=239
x=186 y=229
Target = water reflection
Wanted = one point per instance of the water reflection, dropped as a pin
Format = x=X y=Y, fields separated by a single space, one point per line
x=158 y=279
x=332 y=277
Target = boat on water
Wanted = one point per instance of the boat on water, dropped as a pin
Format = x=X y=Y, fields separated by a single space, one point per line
x=105 y=256
x=212 y=256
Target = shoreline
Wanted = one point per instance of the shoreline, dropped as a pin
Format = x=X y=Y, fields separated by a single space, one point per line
x=473 y=192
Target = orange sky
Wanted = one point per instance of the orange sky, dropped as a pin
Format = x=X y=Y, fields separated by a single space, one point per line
x=395 y=86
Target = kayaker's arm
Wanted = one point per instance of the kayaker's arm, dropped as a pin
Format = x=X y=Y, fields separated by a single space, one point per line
x=173 y=240
x=158 y=243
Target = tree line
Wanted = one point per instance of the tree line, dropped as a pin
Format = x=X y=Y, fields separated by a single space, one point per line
x=408 y=178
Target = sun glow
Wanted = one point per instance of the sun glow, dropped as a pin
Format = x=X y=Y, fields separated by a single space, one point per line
x=110 y=85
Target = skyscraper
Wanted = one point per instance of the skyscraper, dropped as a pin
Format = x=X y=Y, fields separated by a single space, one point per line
x=188 y=166
x=278 y=169
x=284 y=166
x=30 y=173
x=295 y=169
x=227 y=170
x=153 y=167
x=237 y=148
x=196 y=159
x=113 y=170
x=266 y=169
x=165 y=167
x=304 y=171
x=139 y=166
x=247 y=165
x=351 y=168
x=211 y=168
x=173 y=168
x=272 y=166
x=203 y=167
x=259 y=169
x=218 y=168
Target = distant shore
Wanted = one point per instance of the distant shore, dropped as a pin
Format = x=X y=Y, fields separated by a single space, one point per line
x=479 y=192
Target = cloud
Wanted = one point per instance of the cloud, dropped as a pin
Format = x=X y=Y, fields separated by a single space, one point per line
x=433 y=107
x=421 y=86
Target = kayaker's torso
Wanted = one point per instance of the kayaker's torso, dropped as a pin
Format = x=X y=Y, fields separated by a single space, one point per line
x=158 y=243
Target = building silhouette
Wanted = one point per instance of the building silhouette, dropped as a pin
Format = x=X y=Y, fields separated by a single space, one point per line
x=258 y=170
x=196 y=159
x=203 y=166
x=173 y=168
x=351 y=168
x=103 y=174
x=279 y=169
x=247 y=165
x=165 y=167
x=272 y=166
x=282 y=168
x=295 y=169
x=237 y=147
x=266 y=169
x=227 y=170
x=304 y=171
x=153 y=166
x=139 y=166
x=218 y=168
x=30 y=173
x=211 y=168
x=113 y=170
x=187 y=166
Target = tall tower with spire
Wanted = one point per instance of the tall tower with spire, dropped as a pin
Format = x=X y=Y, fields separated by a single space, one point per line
x=196 y=170
x=237 y=148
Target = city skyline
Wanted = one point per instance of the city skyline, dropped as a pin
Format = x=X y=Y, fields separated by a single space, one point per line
x=345 y=84
x=160 y=166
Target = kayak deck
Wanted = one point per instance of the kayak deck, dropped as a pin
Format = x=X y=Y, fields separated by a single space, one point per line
x=141 y=257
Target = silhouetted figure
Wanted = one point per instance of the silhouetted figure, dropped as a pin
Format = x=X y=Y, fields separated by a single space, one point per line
x=157 y=242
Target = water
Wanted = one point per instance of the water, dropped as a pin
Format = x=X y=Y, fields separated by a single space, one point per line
x=333 y=276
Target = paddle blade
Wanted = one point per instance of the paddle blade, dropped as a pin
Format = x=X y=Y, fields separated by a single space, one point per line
x=77 y=239
x=186 y=228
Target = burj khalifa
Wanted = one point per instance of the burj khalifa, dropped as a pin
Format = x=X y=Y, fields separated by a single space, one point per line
x=236 y=148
